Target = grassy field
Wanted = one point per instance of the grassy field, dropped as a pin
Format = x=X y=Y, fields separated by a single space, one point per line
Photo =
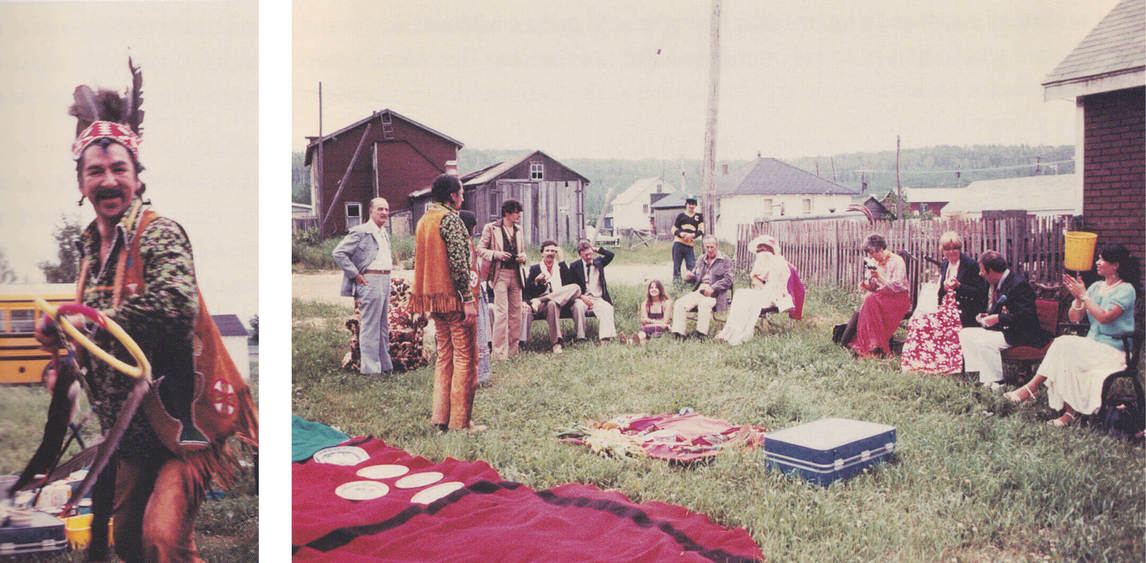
x=226 y=530
x=974 y=479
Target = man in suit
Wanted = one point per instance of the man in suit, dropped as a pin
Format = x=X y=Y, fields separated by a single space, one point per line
x=711 y=280
x=589 y=275
x=549 y=288
x=365 y=259
x=960 y=273
x=503 y=244
x=1011 y=320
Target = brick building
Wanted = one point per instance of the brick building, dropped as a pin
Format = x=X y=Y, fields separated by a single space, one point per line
x=1105 y=75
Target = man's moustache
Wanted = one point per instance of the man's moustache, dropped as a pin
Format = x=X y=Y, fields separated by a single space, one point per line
x=109 y=193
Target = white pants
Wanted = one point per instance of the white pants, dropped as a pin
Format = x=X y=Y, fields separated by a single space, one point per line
x=981 y=352
x=606 y=328
x=695 y=300
x=1075 y=368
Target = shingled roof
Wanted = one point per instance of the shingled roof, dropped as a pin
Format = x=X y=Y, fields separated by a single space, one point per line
x=1116 y=46
x=770 y=176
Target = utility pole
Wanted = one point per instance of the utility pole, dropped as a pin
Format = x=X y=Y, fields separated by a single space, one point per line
x=899 y=192
x=710 y=126
x=316 y=198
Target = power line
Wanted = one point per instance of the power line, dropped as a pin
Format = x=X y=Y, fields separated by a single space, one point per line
x=954 y=170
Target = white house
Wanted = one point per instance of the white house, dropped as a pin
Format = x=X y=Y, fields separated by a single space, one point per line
x=632 y=208
x=768 y=188
x=1037 y=195
x=235 y=341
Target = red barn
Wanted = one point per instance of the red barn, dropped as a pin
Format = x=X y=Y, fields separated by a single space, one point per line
x=385 y=155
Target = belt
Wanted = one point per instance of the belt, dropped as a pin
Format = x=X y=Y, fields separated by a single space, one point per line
x=384 y=272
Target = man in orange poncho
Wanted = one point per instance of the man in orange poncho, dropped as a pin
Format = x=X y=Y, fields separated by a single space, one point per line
x=442 y=268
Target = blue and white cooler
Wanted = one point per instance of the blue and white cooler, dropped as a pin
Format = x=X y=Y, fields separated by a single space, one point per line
x=30 y=531
x=829 y=449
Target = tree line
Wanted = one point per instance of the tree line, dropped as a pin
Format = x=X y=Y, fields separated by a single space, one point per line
x=872 y=172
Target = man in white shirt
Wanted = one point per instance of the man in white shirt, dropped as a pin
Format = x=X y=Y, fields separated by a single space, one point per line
x=549 y=288
x=365 y=259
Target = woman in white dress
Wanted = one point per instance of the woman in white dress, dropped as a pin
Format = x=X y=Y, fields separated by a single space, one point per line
x=769 y=277
x=1075 y=367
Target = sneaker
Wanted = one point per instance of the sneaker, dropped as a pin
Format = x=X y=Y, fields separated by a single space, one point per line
x=624 y=339
x=993 y=385
x=557 y=348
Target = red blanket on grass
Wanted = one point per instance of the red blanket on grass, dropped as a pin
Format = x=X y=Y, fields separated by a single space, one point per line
x=493 y=520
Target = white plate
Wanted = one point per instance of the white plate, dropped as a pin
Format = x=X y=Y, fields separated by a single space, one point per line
x=418 y=480
x=362 y=490
x=341 y=455
x=385 y=471
x=436 y=492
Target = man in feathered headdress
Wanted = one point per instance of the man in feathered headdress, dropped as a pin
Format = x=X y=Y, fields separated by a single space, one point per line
x=138 y=270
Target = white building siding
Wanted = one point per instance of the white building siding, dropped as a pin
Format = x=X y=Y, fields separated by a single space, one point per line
x=735 y=210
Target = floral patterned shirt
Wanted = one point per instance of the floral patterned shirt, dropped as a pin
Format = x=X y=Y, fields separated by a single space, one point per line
x=158 y=316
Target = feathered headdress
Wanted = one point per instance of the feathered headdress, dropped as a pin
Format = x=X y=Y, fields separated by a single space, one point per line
x=105 y=113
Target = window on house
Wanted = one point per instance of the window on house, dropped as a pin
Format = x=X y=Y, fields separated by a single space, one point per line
x=807 y=207
x=645 y=208
x=767 y=210
x=353 y=215
x=536 y=171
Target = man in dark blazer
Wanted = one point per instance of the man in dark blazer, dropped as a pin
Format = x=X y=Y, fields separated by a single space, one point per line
x=549 y=287
x=589 y=275
x=969 y=286
x=1011 y=320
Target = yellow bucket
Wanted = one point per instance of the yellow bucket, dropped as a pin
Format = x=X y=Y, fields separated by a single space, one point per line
x=1079 y=251
x=78 y=530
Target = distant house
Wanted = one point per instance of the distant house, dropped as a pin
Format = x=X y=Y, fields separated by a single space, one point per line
x=302 y=217
x=921 y=200
x=768 y=188
x=876 y=208
x=385 y=155
x=665 y=211
x=1036 y=195
x=632 y=208
x=1105 y=76
x=552 y=195
x=235 y=336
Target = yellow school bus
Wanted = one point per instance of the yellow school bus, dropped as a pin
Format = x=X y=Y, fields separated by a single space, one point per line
x=21 y=359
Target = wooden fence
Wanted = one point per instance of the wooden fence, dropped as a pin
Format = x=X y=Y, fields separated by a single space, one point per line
x=828 y=252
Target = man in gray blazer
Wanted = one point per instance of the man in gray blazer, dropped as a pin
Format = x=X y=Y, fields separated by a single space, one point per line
x=365 y=259
x=711 y=281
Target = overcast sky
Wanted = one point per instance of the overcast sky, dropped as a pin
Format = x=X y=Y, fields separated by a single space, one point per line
x=200 y=138
x=610 y=79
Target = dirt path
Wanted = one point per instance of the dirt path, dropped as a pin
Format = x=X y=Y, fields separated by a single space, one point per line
x=323 y=287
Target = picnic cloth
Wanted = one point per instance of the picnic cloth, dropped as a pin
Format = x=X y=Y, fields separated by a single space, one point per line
x=307 y=437
x=488 y=519
x=677 y=437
